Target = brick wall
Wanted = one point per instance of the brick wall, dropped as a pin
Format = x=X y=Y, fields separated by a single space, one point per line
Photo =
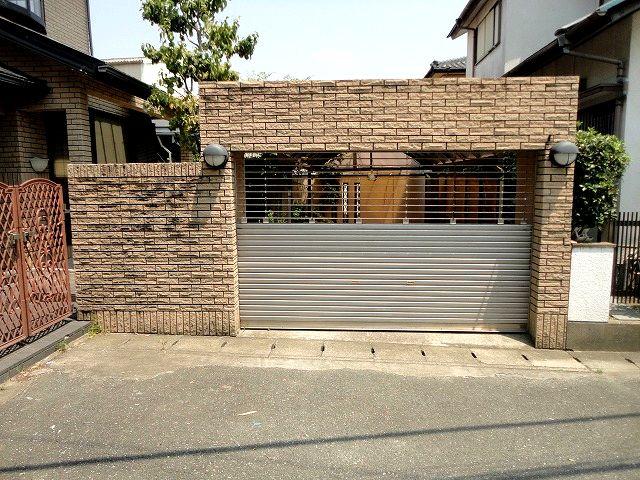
x=551 y=253
x=67 y=22
x=388 y=115
x=515 y=114
x=155 y=247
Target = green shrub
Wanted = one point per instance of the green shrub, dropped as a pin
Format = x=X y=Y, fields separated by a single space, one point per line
x=599 y=167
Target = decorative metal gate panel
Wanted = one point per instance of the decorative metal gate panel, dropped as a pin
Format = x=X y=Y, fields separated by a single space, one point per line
x=35 y=291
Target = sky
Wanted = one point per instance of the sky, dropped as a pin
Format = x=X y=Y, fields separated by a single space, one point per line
x=316 y=39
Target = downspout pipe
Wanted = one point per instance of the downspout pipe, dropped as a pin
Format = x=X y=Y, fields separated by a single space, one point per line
x=169 y=156
x=566 y=49
x=620 y=78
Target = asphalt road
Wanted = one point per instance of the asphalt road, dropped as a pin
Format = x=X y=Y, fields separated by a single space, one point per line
x=96 y=414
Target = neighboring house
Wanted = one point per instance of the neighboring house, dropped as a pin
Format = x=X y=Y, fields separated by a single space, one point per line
x=144 y=69
x=597 y=40
x=453 y=67
x=64 y=105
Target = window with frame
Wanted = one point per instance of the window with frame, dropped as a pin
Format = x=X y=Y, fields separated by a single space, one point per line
x=345 y=202
x=33 y=7
x=356 y=194
x=488 y=32
x=108 y=140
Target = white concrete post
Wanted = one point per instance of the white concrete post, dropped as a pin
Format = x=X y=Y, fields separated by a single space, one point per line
x=590 y=287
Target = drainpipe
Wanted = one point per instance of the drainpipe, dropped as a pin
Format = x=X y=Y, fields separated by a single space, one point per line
x=164 y=148
x=620 y=78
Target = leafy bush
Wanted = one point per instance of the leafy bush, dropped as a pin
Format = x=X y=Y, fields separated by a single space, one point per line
x=599 y=167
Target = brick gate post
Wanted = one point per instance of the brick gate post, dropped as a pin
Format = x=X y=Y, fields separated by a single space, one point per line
x=550 y=253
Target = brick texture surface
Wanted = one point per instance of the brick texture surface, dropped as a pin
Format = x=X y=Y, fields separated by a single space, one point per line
x=452 y=114
x=389 y=115
x=155 y=247
x=551 y=254
x=67 y=22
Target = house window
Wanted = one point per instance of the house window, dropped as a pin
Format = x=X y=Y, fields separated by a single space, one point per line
x=601 y=117
x=345 y=203
x=108 y=141
x=33 y=7
x=357 y=200
x=488 y=32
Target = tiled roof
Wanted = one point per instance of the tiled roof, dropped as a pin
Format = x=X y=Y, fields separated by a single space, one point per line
x=459 y=63
x=450 y=65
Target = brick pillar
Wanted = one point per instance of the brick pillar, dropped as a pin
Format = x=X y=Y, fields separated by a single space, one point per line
x=550 y=254
x=79 y=128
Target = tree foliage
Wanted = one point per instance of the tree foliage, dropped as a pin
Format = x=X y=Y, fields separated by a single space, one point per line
x=599 y=168
x=195 y=46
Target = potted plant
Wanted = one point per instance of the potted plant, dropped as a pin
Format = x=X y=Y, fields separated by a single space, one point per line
x=599 y=168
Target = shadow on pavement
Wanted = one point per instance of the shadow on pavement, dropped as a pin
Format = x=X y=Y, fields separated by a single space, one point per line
x=542 y=473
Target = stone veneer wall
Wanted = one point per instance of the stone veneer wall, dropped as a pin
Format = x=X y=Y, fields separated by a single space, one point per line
x=389 y=115
x=155 y=247
x=451 y=114
x=155 y=244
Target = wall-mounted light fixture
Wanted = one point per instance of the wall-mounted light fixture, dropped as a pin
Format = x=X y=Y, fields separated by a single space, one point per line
x=39 y=164
x=215 y=156
x=564 y=153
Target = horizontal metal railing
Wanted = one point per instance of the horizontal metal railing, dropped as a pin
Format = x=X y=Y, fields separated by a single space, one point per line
x=393 y=188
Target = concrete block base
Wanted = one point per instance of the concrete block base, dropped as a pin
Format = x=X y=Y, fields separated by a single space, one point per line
x=612 y=336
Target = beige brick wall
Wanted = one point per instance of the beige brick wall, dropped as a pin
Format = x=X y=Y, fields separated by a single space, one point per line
x=551 y=254
x=67 y=21
x=155 y=247
x=389 y=115
x=514 y=114
x=155 y=244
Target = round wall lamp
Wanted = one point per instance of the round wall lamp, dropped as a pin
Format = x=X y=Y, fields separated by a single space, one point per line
x=39 y=164
x=215 y=156
x=564 y=153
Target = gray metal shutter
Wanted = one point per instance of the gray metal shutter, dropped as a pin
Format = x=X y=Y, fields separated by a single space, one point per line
x=384 y=276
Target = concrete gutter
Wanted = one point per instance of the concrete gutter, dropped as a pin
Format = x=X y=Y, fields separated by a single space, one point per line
x=31 y=353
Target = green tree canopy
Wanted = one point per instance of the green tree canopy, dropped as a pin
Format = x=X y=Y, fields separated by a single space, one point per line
x=195 y=46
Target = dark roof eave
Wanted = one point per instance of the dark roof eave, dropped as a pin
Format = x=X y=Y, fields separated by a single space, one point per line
x=17 y=81
x=122 y=81
x=471 y=4
x=433 y=70
x=74 y=59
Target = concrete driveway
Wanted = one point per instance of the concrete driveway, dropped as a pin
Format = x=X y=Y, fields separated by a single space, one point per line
x=270 y=406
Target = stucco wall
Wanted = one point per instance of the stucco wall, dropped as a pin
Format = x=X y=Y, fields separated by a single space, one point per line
x=526 y=28
x=589 y=294
x=630 y=191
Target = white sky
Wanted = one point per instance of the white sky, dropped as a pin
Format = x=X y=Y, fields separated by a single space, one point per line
x=321 y=39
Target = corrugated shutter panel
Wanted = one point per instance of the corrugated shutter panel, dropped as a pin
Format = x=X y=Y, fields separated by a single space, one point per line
x=384 y=276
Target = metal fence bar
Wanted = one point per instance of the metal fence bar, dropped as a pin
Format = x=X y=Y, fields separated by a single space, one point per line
x=625 y=234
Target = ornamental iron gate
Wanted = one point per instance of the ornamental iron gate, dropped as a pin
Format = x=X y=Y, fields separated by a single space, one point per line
x=34 y=292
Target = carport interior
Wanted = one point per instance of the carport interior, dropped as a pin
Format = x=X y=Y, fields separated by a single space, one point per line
x=385 y=240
